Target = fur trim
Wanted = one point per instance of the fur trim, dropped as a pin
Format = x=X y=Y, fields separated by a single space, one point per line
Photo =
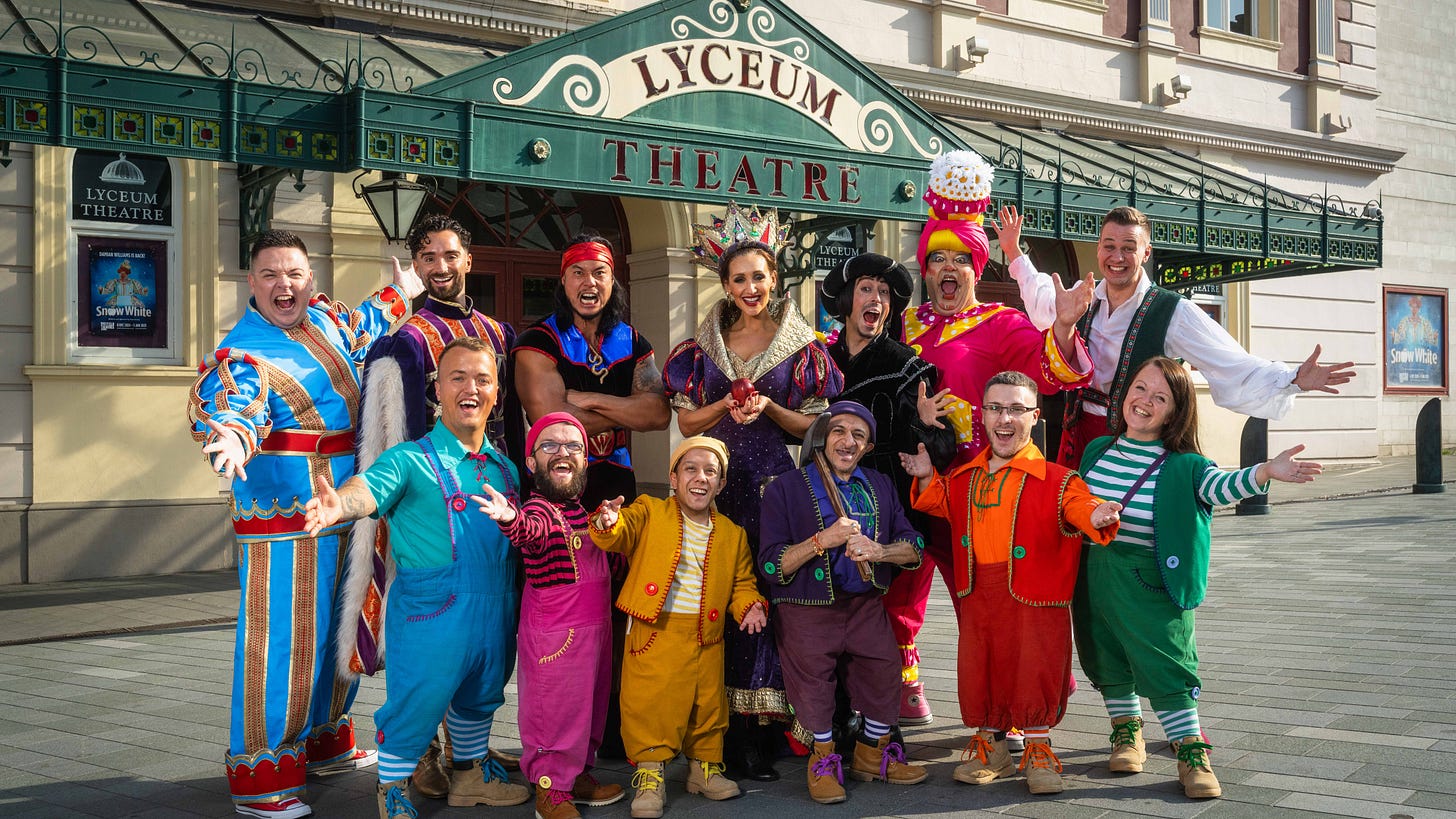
x=381 y=426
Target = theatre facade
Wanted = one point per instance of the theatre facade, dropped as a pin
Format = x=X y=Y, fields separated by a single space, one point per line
x=144 y=144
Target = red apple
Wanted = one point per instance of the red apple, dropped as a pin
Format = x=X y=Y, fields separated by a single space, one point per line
x=743 y=390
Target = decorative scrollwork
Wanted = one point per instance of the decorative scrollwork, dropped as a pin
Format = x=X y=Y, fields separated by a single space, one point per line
x=720 y=11
x=878 y=135
x=761 y=23
x=584 y=92
x=30 y=39
x=375 y=70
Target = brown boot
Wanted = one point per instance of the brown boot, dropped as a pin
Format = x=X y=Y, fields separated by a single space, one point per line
x=1194 y=771
x=826 y=774
x=393 y=799
x=510 y=762
x=707 y=779
x=651 y=795
x=555 y=804
x=588 y=791
x=885 y=761
x=1043 y=769
x=430 y=779
x=484 y=783
x=987 y=759
x=1129 y=752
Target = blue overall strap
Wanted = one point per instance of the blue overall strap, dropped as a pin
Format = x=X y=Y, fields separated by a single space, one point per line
x=455 y=500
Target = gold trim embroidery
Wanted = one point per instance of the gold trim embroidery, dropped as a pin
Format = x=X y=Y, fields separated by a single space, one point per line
x=570 y=635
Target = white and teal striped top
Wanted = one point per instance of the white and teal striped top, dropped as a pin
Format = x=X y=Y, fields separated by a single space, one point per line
x=1126 y=460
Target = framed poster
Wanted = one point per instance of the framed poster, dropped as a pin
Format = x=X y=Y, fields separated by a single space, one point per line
x=121 y=292
x=1415 y=340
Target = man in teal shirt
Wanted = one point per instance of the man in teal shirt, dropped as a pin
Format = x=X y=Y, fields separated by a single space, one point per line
x=451 y=610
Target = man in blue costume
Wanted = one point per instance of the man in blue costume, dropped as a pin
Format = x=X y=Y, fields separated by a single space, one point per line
x=451 y=609
x=275 y=406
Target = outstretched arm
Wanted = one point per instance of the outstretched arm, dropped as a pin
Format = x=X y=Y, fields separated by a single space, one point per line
x=1311 y=376
x=351 y=502
x=1284 y=468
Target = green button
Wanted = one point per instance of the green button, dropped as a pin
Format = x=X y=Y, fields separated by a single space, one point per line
x=965 y=540
x=1019 y=551
x=818 y=574
x=768 y=568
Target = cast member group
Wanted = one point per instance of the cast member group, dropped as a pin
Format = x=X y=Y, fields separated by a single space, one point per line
x=427 y=490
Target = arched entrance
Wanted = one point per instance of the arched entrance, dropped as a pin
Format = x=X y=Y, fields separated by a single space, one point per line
x=516 y=239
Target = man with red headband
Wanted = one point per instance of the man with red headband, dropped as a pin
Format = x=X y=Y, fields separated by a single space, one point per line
x=586 y=360
x=968 y=342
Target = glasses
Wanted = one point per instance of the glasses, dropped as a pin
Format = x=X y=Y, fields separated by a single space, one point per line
x=1012 y=411
x=960 y=259
x=553 y=447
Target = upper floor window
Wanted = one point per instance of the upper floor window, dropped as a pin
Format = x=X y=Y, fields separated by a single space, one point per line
x=1251 y=18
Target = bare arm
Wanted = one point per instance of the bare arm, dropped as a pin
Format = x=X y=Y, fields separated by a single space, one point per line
x=352 y=501
x=834 y=537
x=542 y=391
x=791 y=421
x=863 y=550
x=697 y=421
x=645 y=410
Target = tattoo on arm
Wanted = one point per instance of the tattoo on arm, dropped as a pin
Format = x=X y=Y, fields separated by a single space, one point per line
x=355 y=500
x=647 y=378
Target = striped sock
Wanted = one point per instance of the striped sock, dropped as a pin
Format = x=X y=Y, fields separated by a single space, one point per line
x=469 y=739
x=824 y=736
x=874 y=730
x=1181 y=723
x=1037 y=732
x=393 y=767
x=1129 y=706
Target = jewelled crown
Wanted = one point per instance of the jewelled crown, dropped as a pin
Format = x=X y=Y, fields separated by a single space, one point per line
x=960 y=183
x=738 y=226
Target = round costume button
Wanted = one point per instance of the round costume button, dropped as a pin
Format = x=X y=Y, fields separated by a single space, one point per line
x=768 y=568
x=651 y=589
x=818 y=574
x=544 y=782
x=712 y=615
x=1019 y=551
x=457 y=503
x=965 y=540
x=1194 y=692
x=1172 y=561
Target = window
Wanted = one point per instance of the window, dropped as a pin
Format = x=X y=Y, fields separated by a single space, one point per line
x=1251 y=18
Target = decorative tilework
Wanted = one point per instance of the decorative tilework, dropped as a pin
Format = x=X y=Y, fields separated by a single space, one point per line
x=416 y=150
x=253 y=139
x=290 y=142
x=381 y=145
x=32 y=115
x=129 y=126
x=88 y=122
x=206 y=134
x=325 y=147
x=166 y=129
x=447 y=153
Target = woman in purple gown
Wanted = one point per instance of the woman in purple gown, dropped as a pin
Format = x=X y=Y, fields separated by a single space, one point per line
x=749 y=334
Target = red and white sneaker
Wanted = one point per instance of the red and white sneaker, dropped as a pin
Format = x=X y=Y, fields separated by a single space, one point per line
x=360 y=760
x=287 y=809
x=914 y=707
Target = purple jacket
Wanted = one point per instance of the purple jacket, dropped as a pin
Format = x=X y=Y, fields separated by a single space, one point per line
x=792 y=514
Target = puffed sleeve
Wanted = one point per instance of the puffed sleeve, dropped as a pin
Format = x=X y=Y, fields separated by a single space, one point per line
x=817 y=380
x=368 y=323
x=684 y=375
x=231 y=389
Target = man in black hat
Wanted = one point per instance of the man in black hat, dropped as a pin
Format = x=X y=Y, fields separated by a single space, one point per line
x=867 y=293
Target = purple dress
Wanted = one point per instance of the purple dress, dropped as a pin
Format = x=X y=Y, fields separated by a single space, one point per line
x=794 y=372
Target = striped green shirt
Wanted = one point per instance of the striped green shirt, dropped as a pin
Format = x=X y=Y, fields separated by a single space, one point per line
x=1126 y=461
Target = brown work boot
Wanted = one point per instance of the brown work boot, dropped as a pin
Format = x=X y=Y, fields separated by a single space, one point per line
x=1043 y=769
x=707 y=779
x=555 y=804
x=651 y=795
x=430 y=778
x=484 y=783
x=826 y=774
x=588 y=791
x=510 y=762
x=884 y=761
x=393 y=799
x=987 y=759
x=1129 y=752
x=1194 y=771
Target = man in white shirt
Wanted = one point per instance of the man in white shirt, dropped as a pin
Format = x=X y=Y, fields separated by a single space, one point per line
x=1131 y=320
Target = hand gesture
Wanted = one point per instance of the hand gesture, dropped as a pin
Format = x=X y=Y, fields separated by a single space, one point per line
x=227 y=451
x=754 y=620
x=863 y=550
x=1008 y=232
x=323 y=509
x=932 y=407
x=495 y=505
x=917 y=465
x=407 y=280
x=1073 y=304
x=838 y=533
x=608 y=513
x=1106 y=514
x=750 y=410
x=1284 y=468
x=1311 y=376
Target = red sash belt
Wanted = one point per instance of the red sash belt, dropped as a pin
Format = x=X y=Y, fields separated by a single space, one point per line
x=308 y=442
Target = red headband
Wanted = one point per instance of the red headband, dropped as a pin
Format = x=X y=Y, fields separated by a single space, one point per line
x=586 y=252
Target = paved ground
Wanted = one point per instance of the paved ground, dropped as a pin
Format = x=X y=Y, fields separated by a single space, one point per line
x=1326 y=648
